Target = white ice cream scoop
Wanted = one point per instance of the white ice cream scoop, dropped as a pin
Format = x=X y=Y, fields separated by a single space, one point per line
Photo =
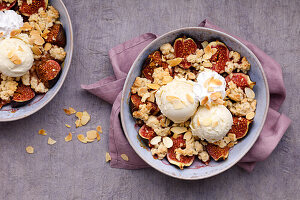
x=176 y=100
x=211 y=124
x=16 y=57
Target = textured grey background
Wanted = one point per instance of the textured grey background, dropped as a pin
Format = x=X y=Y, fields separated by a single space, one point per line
x=77 y=171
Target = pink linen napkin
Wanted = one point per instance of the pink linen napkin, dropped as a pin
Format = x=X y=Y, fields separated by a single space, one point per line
x=110 y=90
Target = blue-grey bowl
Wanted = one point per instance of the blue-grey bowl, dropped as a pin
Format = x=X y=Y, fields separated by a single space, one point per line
x=10 y=114
x=198 y=170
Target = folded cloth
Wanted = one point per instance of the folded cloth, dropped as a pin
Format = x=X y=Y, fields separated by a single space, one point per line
x=110 y=90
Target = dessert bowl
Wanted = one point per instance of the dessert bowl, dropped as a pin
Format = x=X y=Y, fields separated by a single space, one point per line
x=197 y=170
x=7 y=113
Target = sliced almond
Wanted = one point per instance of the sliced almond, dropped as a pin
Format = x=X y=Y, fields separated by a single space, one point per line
x=178 y=129
x=190 y=98
x=68 y=137
x=206 y=122
x=204 y=101
x=174 y=62
x=107 y=157
x=42 y=132
x=187 y=136
x=15 y=59
x=210 y=89
x=155 y=140
x=216 y=82
x=231 y=144
x=30 y=149
x=204 y=44
x=250 y=115
x=85 y=118
x=91 y=135
x=207 y=49
x=98 y=136
x=51 y=141
x=15 y=33
x=168 y=142
x=172 y=98
x=67 y=125
x=79 y=115
x=78 y=123
x=81 y=138
x=26 y=27
x=124 y=157
x=167 y=79
x=153 y=86
x=47 y=46
x=232 y=137
x=70 y=111
x=39 y=41
x=215 y=123
x=216 y=95
x=207 y=64
x=177 y=105
x=99 y=129
x=249 y=93
x=36 y=50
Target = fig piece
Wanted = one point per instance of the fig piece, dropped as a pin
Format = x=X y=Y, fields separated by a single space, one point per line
x=220 y=58
x=184 y=47
x=49 y=72
x=217 y=152
x=153 y=61
x=240 y=127
x=57 y=35
x=22 y=96
x=135 y=102
x=147 y=133
x=241 y=80
x=6 y=6
x=154 y=108
x=185 y=64
x=29 y=9
x=184 y=161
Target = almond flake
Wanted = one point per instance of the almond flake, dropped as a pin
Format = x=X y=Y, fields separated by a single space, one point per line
x=51 y=141
x=42 y=132
x=15 y=59
x=36 y=50
x=231 y=144
x=171 y=98
x=207 y=49
x=30 y=149
x=91 y=135
x=107 y=157
x=124 y=157
x=155 y=140
x=67 y=125
x=210 y=89
x=15 y=32
x=216 y=82
x=216 y=95
x=85 y=118
x=178 y=129
x=168 y=142
x=249 y=93
x=99 y=129
x=232 y=137
x=174 y=62
x=81 y=138
x=68 y=137
x=78 y=123
x=79 y=115
x=26 y=27
x=207 y=64
x=187 y=136
x=177 y=105
x=204 y=44
x=206 y=122
x=153 y=86
x=190 y=98
x=204 y=100
x=215 y=123
x=70 y=111
x=250 y=115
x=47 y=46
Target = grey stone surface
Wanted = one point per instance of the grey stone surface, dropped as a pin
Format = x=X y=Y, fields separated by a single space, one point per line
x=77 y=171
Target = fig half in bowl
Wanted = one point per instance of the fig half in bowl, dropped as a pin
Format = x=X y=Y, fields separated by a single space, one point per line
x=198 y=170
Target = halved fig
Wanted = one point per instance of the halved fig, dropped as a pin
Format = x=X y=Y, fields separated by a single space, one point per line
x=6 y=6
x=184 y=161
x=184 y=47
x=147 y=133
x=240 y=127
x=57 y=35
x=23 y=95
x=241 y=80
x=217 y=152
x=185 y=64
x=153 y=61
x=135 y=102
x=220 y=58
x=3 y=103
x=32 y=8
x=49 y=72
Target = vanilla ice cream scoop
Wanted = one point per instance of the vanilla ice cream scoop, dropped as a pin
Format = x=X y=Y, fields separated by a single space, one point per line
x=176 y=100
x=16 y=57
x=209 y=82
x=211 y=124
x=9 y=21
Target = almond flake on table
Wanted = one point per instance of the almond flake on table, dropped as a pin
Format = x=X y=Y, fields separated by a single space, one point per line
x=98 y=136
x=70 y=111
x=42 y=132
x=99 y=129
x=107 y=157
x=124 y=157
x=51 y=141
x=67 y=125
x=68 y=137
x=30 y=149
x=81 y=138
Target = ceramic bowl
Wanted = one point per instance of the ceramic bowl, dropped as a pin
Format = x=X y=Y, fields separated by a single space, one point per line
x=10 y=114
x=197 y=170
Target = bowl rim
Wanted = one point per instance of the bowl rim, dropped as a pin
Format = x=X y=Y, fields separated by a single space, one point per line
x=63 y=77
x=124 y=98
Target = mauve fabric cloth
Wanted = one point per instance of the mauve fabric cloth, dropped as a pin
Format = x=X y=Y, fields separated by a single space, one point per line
x=110 y=90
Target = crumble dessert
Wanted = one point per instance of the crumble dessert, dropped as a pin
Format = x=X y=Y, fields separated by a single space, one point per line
x=32 y=41
x=193 y=101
